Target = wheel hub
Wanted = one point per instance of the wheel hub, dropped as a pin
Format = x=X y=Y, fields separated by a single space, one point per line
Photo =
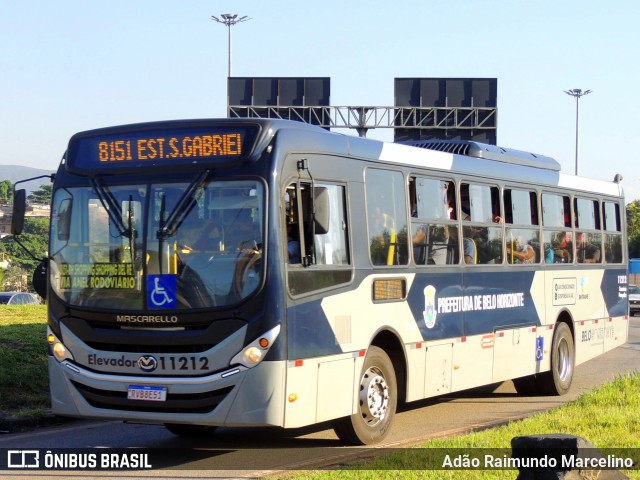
x=564 y=361
x=374 y=396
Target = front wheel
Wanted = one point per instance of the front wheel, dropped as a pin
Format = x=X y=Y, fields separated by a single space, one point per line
x=378 y=398
x=557 y=381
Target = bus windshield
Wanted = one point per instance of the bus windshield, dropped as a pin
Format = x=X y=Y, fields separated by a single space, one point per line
x=157 y=246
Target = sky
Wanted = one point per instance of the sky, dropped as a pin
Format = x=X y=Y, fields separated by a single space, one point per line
x=73 y=65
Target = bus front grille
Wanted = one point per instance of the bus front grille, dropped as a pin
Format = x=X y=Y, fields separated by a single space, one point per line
x=204 y=402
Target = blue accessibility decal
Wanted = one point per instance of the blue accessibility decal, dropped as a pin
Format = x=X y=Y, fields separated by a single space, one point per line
x=161 y=291
x=539 y=348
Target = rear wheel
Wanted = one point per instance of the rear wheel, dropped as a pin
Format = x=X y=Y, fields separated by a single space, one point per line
x=557 y=381
x=378 y=398
x=193 y=431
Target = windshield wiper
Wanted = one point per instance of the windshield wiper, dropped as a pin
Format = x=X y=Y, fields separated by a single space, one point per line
x=114 y=211
x=183 y=207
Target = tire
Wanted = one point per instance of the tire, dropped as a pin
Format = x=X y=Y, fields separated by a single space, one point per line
x=191 y=431
x=378 y=399
x=557 y=381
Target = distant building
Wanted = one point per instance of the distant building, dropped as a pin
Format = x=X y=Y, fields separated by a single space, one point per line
x=5 y=220
x=33 y=211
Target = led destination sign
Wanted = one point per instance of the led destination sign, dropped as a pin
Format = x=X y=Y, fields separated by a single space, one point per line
x=159 y=147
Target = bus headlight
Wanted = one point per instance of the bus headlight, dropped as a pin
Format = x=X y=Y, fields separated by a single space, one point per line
x=58 y=350
x=252 y=354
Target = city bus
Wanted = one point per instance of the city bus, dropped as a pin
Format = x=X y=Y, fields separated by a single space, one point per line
x=256 y=272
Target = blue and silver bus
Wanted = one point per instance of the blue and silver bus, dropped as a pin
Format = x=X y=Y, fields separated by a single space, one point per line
x=245 y=272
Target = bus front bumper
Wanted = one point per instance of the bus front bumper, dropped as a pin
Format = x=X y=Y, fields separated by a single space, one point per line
x=238 y=396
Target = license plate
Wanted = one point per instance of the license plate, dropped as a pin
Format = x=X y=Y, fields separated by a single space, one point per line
x=147 y=392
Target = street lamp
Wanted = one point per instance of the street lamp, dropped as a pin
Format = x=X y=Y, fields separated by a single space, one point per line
x=577 y=93
x=229 y=19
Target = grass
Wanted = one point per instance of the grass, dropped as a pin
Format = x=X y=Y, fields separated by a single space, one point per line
x=24 y=383
x=608 y=417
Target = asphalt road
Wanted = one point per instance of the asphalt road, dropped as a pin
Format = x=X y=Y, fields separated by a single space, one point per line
x=252 y=452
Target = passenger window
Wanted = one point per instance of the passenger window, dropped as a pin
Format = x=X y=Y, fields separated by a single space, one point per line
x=558 y=246
x=434 y=231
x=611 y=217
x=588 y=247
x=587 y=214
x=311 y=242
x=331 y=247
x=480 y=207
x=556 y=210
x=386 y=217
x=317 y=248
x=556 y=220
x=613 y=234
x=521 y=217
x=588 y=241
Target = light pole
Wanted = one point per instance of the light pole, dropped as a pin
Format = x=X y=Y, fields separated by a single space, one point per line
x=229 y=19
x=577 y=93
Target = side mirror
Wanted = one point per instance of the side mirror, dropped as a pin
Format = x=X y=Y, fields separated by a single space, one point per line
x=64 y=220
x=321 y=206
x=19 y=208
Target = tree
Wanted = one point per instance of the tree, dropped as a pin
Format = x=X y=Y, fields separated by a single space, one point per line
x=6 y=192
x=16 y=279
x=35 y=238
x=633 y=228
x=42 y=195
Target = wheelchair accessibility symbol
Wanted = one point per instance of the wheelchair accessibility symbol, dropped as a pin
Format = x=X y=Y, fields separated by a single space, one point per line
x=539 y=348
x=161 y=291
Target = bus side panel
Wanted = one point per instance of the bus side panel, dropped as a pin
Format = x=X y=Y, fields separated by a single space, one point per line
x=616 y=332
x=301 y=393
x=597 y=302
x=439 y=367
x=335 y=402
x=615 y=291
x=515 y=353
x=472 y=362
x=321 y=389
x=416 y=354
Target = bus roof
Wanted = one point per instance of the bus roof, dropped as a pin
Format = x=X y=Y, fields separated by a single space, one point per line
x=465 y=157
x=490 y=152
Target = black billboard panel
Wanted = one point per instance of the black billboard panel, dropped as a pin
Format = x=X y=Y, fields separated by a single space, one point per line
x=291 y=91
x=240 y=91
x=278 y=97
x=446 y=108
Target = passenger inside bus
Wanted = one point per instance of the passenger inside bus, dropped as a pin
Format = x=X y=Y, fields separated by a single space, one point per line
x=520 y=252
x=469 y=250
x=293 y=245
x=433 y=243
x=586 y=251
x=561 y=253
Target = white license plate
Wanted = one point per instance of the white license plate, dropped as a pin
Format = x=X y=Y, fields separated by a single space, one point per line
x=147 y=392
